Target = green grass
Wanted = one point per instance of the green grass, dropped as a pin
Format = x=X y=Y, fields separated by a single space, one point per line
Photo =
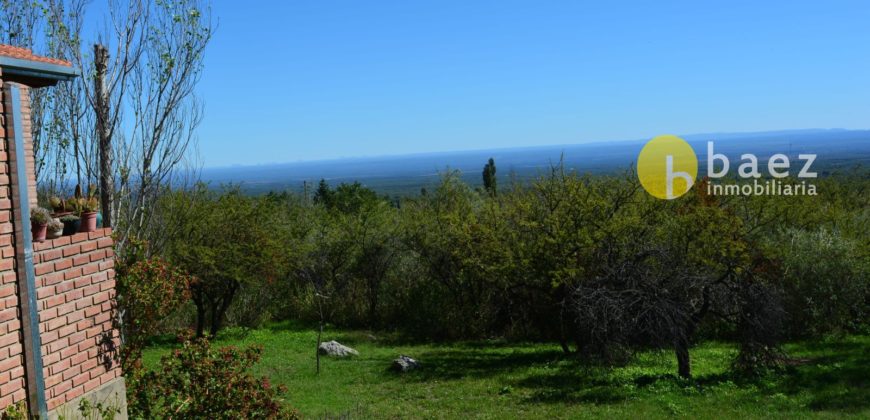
x=494 y=379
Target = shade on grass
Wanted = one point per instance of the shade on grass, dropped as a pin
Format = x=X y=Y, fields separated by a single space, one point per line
x=494 y=379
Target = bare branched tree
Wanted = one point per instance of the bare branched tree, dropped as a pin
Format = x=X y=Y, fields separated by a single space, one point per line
x=165 y=110
x=70 y=139
x=129 y=122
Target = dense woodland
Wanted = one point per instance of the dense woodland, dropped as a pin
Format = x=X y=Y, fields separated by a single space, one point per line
x=592 y=263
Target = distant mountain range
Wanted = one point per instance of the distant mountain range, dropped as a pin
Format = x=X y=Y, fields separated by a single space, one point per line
x=837 y=149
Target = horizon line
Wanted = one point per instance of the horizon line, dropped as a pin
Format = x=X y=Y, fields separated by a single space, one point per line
x=587 y=143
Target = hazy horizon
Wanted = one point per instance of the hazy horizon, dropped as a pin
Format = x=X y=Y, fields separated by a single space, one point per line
x=531 y=147
x=837 y=149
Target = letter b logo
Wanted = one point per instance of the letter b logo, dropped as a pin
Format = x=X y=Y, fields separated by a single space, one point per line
x=667 y=167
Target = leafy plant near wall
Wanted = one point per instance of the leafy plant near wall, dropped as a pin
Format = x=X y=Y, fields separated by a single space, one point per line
x=57 y=204
x=91 y=205
x=40 y=216
x=199 y=381
x=79 y=203
x=148 y=291
x=55 y=224
x=16 y=411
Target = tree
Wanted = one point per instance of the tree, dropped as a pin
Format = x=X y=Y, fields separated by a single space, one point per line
x=489 y=178
x=165 y=113
x=661 y=269
x=58 y=113
x=553 y=228
x=323 y=194
x=322 y=261
x=374 y=231
x=129 y=122
x=826 y=277
x=442 y=230
x=103 y=112
x=228 y=241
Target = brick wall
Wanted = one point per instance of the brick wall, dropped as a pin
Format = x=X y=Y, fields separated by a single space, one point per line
x=75 y=284
x=12 y=374
x=28 y=143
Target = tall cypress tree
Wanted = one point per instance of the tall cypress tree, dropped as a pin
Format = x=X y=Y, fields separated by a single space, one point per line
x=323 y=195
x=489 y=179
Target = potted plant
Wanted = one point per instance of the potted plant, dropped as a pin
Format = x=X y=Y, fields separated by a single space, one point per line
x=70 y=224
x=55 y=229
x=88 y=213
x=39 y=218
x=59 y=206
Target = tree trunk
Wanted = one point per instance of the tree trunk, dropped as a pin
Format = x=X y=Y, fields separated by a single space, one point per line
x=104 y=132
x=563 y=327
x=220 y=308
x=684 y=365
x=374 y=288
x=317 y=351
x=200 y=313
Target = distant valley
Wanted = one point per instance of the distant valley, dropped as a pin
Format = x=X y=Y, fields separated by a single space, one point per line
x=837 y=150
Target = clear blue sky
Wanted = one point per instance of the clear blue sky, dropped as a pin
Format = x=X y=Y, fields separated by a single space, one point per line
x=302 y=80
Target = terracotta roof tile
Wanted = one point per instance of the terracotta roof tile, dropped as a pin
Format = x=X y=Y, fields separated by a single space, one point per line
x=25 y=54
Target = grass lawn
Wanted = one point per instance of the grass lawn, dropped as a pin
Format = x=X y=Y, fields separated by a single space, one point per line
x=493 y=379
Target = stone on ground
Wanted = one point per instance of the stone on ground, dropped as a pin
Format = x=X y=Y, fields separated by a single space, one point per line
x=336 y=349
x=404 y=364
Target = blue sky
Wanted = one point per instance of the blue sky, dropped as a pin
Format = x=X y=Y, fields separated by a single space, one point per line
x=303 y=80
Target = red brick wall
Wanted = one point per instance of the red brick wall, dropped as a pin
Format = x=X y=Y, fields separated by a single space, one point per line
x=28 y=143
x=12 y=386
x=75 y=284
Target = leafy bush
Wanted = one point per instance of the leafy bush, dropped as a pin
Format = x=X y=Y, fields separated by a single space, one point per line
x=826 y=278
x=228 y=242
x=198 y=381
x=16 y=411
x=69 y=218
x=148 y=292
x=460 y=263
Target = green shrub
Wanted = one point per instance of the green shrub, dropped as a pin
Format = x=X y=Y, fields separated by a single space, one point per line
x=17 y=411
x=198 y=381
x=825 y=278
x=148 y=292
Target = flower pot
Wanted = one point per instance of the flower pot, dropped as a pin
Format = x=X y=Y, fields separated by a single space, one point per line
x=38 y=231
x=54 y=234
x=70 y=227
x=59 y=214
x=88 y=221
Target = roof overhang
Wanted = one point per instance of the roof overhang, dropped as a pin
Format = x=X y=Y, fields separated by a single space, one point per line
x=34 y=73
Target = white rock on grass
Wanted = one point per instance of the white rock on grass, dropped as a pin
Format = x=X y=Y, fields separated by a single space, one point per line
x=336 y=349
x=404 y=364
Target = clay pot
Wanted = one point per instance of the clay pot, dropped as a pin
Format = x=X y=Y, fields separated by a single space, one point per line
x=54 y=234
x=71 y=227
x=38 y=231
x=88 y=222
